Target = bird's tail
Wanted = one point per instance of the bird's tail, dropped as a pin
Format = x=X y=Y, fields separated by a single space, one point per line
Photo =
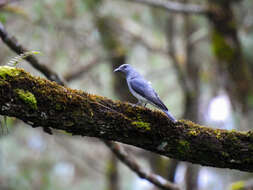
x=173 y=119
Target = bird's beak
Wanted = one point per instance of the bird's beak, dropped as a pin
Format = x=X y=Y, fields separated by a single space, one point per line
x=117 y=70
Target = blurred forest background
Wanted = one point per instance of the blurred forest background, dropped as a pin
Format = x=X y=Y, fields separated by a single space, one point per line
x=200 y=62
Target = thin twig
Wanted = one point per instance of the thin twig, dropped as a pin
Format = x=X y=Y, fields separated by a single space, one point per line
x=13 y=44
x=132 y=164
x=175 y=7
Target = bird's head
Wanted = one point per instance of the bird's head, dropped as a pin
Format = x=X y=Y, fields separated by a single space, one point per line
x=125 y=68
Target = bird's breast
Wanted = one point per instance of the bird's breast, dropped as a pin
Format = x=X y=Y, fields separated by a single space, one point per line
x=135 y=94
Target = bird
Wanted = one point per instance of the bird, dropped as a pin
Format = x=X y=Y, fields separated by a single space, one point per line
x=142 y=89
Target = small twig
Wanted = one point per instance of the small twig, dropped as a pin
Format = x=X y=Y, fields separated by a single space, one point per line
x=13 y=44
x=175 y=6
x=132 y=164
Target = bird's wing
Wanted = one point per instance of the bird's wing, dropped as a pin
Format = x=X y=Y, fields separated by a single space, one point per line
x=143 y=88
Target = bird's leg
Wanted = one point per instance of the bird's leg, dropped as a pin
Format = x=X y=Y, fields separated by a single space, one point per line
x=139 y=103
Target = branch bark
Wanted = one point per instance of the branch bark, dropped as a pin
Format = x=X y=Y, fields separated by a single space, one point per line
x=42 y=103
x=157 y=180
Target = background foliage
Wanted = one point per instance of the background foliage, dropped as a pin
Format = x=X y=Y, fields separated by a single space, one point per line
x=184 y=56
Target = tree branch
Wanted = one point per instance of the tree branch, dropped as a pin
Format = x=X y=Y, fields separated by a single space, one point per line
x=13 y=44
x=175 y=7
x=40 y=102
x=126 y=159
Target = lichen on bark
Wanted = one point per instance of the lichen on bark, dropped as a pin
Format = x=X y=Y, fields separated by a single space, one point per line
x=27 y=97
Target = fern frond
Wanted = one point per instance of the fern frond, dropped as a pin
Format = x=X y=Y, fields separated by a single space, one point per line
x=14 y=61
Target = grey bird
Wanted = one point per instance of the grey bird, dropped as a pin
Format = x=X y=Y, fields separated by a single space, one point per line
x=142 y=89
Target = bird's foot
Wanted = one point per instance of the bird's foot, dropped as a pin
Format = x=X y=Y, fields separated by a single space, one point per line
x=139 y=103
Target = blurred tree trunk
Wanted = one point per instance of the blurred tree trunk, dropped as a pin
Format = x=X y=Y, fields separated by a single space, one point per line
x=172 y=168
x=117 y=56
x=70 y=8
x=116 y=50
x=158 y=165
x=227 y=49
x=189 y=79
x=192 y=96
x=171 y=49
x=112 y=173
x=107 y=27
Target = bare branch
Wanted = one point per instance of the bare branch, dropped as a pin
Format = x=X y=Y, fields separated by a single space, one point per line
x=13 y=44
x=175 y=6
x=132 y=164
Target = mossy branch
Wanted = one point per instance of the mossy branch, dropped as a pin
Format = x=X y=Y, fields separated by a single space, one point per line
x=40 y=102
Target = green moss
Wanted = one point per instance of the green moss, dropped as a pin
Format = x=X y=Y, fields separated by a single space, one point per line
x=251 y=147
x=27 y=97
x=68 y=123
x=232 y=24
x=110 y=167
x=193 y=132
x=183 y=146
x=190 y=124
x=143 y=125
x=2 y=82
x=8 y=71
x=221 y=47
x=233 y=136
x=218 y=134
x=184 y=143
x=238 y=185
x=225 y=154
x=249 y=134
x=58 y=106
